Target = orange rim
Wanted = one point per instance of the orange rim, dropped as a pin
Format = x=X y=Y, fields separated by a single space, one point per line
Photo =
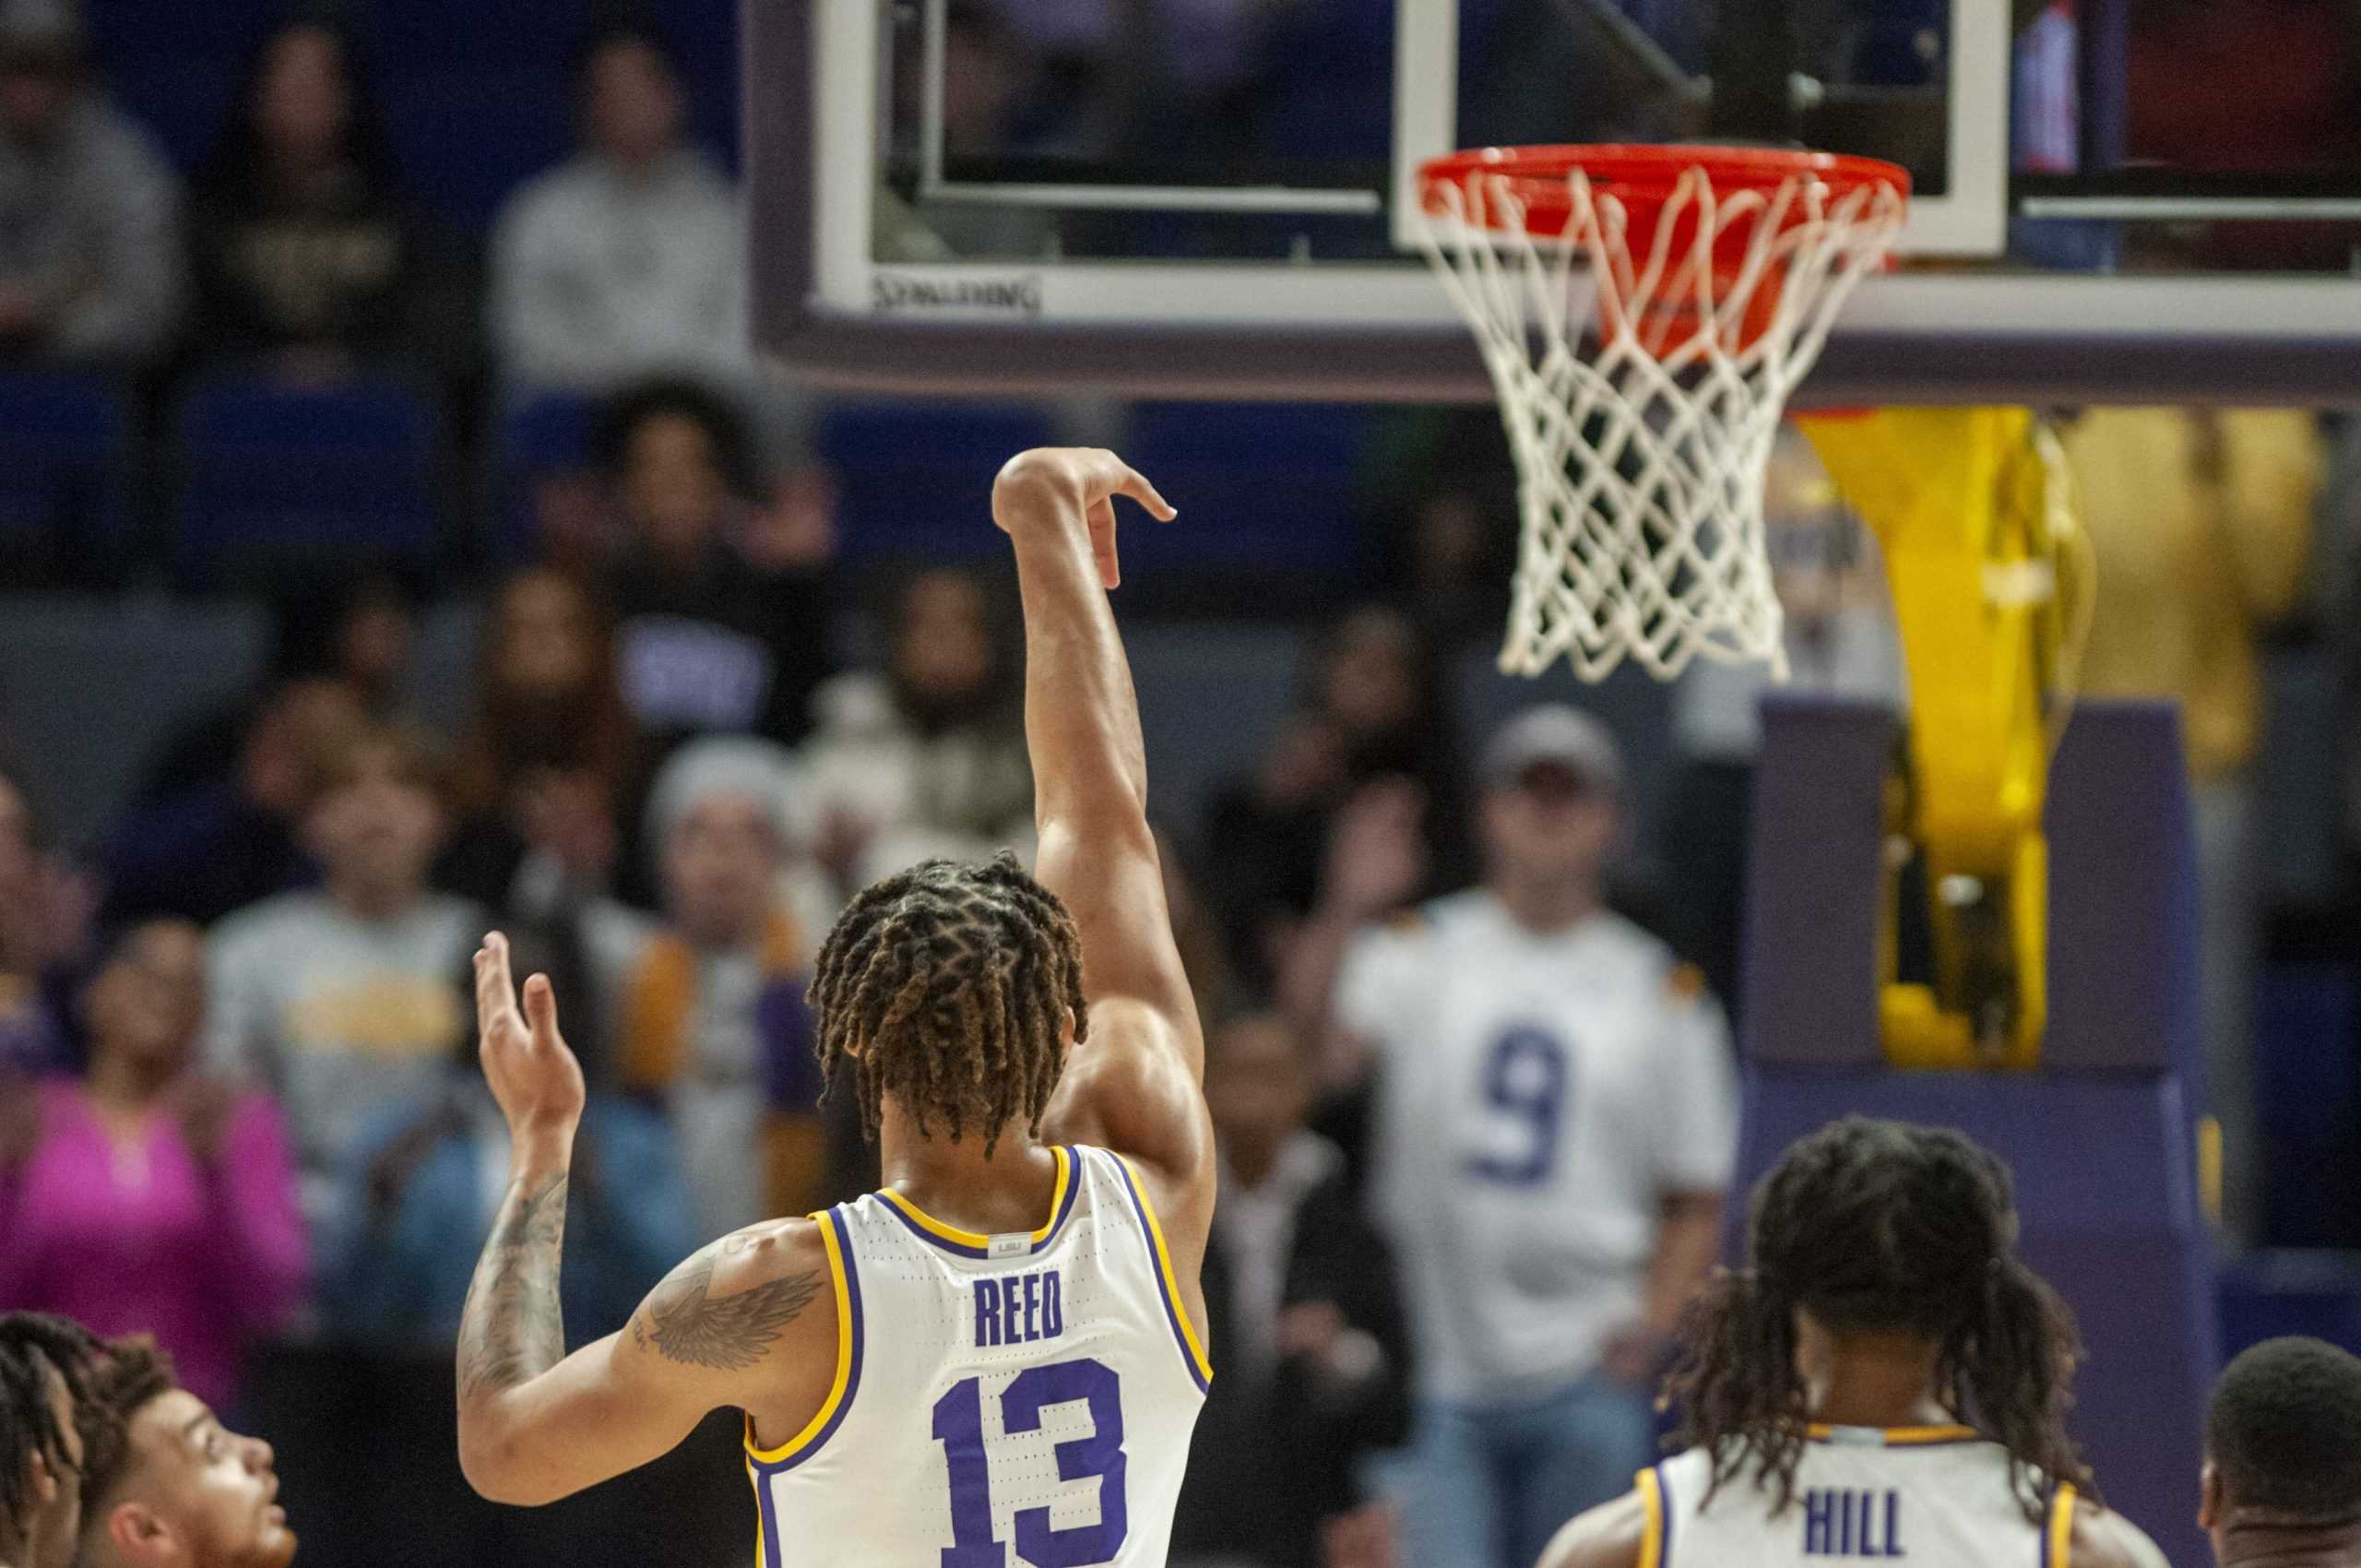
x=1643 y=178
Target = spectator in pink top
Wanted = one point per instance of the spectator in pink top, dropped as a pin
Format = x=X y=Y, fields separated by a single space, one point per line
x=140 y=1197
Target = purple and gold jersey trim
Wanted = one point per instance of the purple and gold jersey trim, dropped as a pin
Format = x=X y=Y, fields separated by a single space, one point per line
x=2058 y=1536
x=1653 y=1531
x=1894 y=1437
x=1193 y=1349
x=968 y=1243
x=845 y=1278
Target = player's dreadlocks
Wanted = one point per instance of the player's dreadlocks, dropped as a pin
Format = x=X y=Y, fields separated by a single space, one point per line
x=1879 y=1227
x=947 y=986
x=29 y=1425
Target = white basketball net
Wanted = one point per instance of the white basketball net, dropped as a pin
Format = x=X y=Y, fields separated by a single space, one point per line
x=1640 y=474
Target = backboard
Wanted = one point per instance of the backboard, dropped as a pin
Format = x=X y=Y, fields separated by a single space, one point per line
x=2129 y=199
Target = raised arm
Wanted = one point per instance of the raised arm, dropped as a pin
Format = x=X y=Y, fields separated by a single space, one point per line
x=1132 y=1083
x=751 y=1321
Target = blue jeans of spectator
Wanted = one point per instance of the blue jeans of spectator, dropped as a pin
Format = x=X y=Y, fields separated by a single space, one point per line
x=1486 y=1484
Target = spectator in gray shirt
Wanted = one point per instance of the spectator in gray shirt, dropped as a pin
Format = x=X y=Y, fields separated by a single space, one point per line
x=347 y=999
x=89 y=245
x=626 y=260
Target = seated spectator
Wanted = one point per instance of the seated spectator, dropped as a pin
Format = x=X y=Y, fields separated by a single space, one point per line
x=545 y=760
x=548 y=749
x=627 y=260
x=306 y=253
x=927 y=758
x=221 y=845
x=347 y=997
x=361 y=631
x=425 y=1184
x=1300 y=1290
x=141 y=1198
x=1372 y=708
x=89 y=248
x=709 y=1009
x=44 y=915
x=722 y=628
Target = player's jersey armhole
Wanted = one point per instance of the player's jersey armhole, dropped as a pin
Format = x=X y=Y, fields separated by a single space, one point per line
x=1655 y=1530
x=1192 y=1347
x=2058 y=1531
x=845 y=1277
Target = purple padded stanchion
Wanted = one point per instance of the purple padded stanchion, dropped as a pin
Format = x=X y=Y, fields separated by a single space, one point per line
x=1809 y=964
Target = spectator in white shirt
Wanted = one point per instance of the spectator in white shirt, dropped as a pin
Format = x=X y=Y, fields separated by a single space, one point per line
x=1553 y=1130
x=628 y=259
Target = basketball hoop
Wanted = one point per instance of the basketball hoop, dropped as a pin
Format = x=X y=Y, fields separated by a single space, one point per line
x=1707 y=279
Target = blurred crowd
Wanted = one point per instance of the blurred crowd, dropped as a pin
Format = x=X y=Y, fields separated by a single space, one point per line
x=239 y=1106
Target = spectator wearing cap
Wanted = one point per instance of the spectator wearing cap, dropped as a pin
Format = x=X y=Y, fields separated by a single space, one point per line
x=143 y=1197
x=628 y=259
x=1553 y=1128
x=348 y=997
x=89 y=214
x=708 y=1010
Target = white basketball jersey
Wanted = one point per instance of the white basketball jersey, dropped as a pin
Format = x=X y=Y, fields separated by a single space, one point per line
x=1537 y=1097
x=1000 y=1400
x=1935 y=1497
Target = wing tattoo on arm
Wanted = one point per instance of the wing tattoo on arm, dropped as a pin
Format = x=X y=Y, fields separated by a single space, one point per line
x=683 y=1322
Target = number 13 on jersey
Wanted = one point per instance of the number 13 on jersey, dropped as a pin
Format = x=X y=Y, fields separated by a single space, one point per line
x=1097 y=1454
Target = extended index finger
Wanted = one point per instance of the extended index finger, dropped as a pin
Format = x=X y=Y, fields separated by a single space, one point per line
x=1134 y=483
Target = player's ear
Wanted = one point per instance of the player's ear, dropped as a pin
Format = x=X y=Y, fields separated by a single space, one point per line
x=2209 y=1496
x=1065 y=1029
x=140 y=1535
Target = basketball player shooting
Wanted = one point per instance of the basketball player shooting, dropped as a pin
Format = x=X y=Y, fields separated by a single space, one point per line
x=994 y=1356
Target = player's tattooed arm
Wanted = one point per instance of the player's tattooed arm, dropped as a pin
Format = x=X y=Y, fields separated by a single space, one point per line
x=512 y=1330
x=683 y=1321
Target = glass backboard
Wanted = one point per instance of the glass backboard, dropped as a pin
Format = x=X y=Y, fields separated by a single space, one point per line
x=2113 y=198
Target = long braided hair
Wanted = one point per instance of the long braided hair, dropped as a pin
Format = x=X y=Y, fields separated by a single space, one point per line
x=948 y=986
x=1882 y=1227
x=31 y=1345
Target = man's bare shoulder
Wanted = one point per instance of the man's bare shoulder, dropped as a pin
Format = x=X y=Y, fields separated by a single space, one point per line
x=730 y=1303
x=1611 y=1536
x=2105 y=1540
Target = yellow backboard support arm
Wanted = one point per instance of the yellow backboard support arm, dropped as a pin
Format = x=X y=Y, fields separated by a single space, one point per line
x=1991 y=583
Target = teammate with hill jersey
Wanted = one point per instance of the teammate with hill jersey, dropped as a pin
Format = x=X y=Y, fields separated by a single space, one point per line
x=994 y=1358
x=1884 y=1380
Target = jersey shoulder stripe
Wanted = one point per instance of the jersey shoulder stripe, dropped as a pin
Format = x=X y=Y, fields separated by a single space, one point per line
x=2058 y=1538
x=1193 y=1349
x=1656 y=1533
x=968 y=1243
x=845 y=1276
